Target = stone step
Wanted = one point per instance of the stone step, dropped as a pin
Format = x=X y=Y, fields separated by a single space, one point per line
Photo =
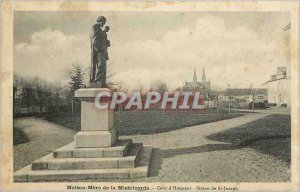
x=51 y=163
x=28 y=175
x=120 y=149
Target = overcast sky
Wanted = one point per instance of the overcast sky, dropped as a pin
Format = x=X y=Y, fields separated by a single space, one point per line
x=234 y=47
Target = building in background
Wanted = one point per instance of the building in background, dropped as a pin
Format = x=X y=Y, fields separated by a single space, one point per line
x=278 y=88
x=242 y=98
x=196 y=85
x=203 y=86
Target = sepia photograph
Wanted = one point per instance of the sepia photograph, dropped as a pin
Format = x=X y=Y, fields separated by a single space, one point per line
x=155 y=97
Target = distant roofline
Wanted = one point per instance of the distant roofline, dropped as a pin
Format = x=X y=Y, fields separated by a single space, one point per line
x=245 y=91
x=274 y=80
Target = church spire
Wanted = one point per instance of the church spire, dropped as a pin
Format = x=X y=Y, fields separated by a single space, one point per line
x=203 y=75
x=195 y=76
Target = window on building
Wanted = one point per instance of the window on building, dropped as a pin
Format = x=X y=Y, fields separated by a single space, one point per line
x=260 y=97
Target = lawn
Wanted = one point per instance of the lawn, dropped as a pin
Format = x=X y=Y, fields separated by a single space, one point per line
x=133 y=123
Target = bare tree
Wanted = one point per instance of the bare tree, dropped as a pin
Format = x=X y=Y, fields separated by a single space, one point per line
x=40 y=88
x=159 y=86
x=28 y=95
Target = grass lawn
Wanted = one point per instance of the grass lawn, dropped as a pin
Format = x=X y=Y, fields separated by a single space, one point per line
x=132 y=123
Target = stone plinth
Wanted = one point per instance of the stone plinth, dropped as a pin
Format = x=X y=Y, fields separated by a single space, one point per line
x=97 y=128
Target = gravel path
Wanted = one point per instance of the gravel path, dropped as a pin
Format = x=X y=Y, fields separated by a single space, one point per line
x=44 y=138
x=187 y=155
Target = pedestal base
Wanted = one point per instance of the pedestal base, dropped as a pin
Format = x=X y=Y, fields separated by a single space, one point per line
x=125 y=160
x=85 y=139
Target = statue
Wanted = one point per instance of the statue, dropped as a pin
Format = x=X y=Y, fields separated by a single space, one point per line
x=99 y=55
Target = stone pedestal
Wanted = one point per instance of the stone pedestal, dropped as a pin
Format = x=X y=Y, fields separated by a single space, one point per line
x=97 y=128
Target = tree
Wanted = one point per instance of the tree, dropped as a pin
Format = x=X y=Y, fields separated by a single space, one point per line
x=17 y=82
x=141 y=88
x=35 y=91
x=41 y=89
x=28 y=96
x=159 y=86
x=57 y=96
x=77 y=78
x=17 y=91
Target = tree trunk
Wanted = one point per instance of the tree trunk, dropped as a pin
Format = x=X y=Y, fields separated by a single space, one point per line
x=41 y=108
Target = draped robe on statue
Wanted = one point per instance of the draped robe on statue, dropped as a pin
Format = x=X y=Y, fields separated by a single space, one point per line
x=98 y=56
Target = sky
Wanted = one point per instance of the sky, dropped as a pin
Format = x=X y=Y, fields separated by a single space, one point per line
x=234 y=47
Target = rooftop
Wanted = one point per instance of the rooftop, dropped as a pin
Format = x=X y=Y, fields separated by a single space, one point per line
x=243 y=91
